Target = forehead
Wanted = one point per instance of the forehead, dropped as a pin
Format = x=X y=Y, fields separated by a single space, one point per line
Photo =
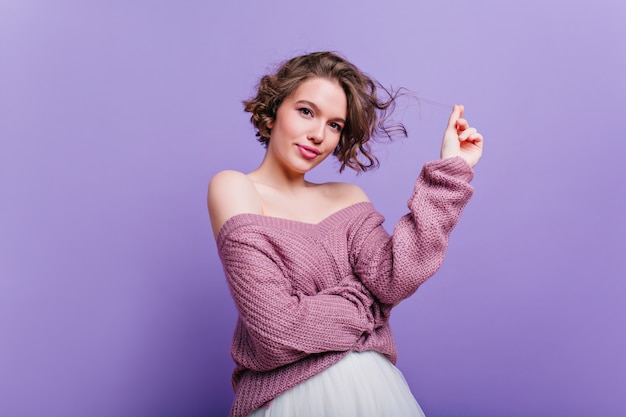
x=325 y=93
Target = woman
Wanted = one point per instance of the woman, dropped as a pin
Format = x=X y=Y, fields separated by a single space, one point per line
x=313 y=273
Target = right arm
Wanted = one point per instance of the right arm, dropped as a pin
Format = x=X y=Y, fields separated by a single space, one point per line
x=283 y=324
x=231 y=193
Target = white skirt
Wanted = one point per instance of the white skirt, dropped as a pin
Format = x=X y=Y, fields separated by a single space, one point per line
x=363 y=384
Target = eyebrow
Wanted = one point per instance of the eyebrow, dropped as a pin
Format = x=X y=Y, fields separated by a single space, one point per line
x=317 y=109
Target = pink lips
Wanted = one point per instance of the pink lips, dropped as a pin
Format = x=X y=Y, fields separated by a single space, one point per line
x=308 y=152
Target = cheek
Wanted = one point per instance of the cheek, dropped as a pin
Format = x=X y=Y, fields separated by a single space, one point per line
x=336 y=141
x=293 y=126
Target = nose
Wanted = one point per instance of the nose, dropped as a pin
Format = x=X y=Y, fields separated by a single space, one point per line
x=317 y=133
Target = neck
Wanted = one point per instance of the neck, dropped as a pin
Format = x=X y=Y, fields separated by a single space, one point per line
x=274 y=175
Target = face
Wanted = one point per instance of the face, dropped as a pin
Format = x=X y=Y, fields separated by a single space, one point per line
x=308 y=125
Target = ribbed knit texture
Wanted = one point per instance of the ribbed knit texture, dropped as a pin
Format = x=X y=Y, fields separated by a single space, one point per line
x=307 y=294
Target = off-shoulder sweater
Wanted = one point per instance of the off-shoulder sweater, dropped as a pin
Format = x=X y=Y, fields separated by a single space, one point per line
x=307 y=294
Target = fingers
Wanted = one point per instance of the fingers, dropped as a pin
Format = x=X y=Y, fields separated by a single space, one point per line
x=457 y=113
x=475 y=138
x=467 y=133
x=461 y=125
x=460 y=139
x=470 y=134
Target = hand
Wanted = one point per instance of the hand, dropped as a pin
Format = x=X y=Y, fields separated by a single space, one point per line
x=460 y=139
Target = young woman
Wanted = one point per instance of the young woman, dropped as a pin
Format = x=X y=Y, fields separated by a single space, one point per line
x=313 y=273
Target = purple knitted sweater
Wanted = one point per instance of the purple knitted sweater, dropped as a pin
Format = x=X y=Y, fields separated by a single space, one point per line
x=308 y=294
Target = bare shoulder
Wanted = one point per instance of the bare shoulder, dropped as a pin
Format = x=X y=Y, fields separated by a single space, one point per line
x=231 y=193
x=347 y=193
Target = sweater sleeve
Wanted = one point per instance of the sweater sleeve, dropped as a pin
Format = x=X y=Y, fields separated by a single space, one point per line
x=392 y=267
x=284 y=325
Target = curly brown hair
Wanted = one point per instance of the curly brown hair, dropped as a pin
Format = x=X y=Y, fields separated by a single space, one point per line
x=367 y=113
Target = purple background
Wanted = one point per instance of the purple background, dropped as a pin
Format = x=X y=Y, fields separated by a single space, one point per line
x=115 y=114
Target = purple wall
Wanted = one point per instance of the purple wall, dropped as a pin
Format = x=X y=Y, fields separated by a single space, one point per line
x=114 y=115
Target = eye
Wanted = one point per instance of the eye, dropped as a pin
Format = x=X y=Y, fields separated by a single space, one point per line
x=336 y=126
x=305 y=111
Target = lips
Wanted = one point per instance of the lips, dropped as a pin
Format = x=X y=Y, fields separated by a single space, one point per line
x=309 y=152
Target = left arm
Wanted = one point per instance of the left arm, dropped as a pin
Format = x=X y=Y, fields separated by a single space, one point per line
x=393 y=267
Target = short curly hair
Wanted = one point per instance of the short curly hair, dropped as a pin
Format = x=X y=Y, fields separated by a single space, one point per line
x=367 y=113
